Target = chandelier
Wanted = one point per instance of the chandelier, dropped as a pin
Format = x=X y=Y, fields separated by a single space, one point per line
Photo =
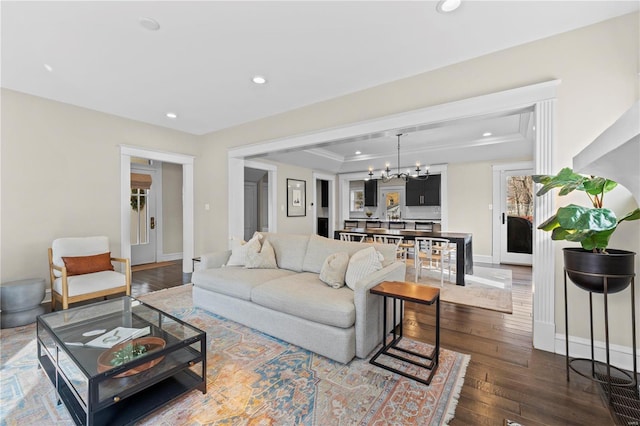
x=386 y=174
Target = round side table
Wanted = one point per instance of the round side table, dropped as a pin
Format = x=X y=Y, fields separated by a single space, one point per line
x=20 y=302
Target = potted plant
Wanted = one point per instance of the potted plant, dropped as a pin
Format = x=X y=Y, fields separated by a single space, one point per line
x=592 y=227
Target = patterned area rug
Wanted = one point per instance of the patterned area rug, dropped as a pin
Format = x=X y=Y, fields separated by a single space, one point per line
x=252 y=379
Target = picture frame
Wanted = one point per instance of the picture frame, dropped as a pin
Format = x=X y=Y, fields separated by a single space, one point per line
x=296 y=197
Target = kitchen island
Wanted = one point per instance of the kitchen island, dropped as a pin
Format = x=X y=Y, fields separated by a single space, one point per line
x=464 y=252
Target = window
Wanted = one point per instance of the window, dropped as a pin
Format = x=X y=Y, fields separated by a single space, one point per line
x=356 y=200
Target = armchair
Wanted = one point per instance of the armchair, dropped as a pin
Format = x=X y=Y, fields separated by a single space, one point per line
x=81 y=269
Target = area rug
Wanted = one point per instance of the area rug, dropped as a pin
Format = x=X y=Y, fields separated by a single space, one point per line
x=252 y=379
x=487 y=288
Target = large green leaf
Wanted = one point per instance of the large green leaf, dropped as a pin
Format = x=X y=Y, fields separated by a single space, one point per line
x=597 y=220
x=566 y=178
x=634 y=215
x=598 y=185
x=549 y=224
x=597 y=240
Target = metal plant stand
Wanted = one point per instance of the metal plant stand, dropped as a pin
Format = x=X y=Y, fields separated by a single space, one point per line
x=607 y=381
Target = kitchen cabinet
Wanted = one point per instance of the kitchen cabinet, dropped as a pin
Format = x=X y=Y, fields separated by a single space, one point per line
x=323 y=227
x=423 y=192
x=371 y=193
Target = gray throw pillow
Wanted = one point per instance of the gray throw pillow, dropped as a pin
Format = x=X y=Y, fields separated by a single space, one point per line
x=264 y=259
x=334 y=269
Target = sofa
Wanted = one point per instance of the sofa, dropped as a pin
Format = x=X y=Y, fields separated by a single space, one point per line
x=286 y=298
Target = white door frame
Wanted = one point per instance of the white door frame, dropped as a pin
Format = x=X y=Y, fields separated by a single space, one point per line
x=541 y=97
x=155 y=197
x=236 y=186
x=126 y=152
x=496 y=232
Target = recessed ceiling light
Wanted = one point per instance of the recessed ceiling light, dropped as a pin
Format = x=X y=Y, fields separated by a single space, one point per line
x=150 y=24
x=172 y=115
x=358 y=152
x=485 y=134
x=258 y=79
x=447 y=6
x=48 y=67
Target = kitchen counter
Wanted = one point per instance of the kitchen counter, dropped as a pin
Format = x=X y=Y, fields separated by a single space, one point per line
x=409 y=223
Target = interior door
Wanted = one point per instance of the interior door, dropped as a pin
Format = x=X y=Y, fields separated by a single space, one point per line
x=143 y=218
x=516 y=224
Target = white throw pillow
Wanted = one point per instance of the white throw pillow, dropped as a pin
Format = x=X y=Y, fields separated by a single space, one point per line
x=264 y=259
x=240 y=248
x=334 y=269
x=361 y=264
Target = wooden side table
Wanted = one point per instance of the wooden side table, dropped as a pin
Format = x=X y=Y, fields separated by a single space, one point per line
x=412 y=292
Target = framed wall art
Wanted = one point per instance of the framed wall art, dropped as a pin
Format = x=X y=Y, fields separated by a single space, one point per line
x=296 y=197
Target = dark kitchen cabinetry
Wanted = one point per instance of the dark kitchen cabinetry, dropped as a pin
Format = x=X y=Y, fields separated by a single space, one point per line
x=323 y=227
x=423 y=192
x=324 y=193
x=371 y=193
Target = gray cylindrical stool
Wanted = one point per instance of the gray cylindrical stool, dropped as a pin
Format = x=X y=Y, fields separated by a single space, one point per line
x=20 y=302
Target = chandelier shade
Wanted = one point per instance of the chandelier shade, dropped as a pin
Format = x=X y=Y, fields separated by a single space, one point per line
x=386 y=174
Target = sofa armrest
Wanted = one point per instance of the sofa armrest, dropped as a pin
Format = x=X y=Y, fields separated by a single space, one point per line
x=212 y=260
x=369 y=307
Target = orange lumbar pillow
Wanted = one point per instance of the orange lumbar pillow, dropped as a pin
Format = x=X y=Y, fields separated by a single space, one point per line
x=79 y=265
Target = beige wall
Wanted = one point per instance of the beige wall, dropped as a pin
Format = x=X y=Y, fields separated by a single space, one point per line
x=470 y=192
x=61 y=176
x=598 y=66
x=171 y=208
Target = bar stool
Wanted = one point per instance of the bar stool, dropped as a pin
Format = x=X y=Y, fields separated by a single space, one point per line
x=430 y=250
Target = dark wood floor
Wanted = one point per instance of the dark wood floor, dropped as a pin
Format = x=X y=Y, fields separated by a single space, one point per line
x=506 y=378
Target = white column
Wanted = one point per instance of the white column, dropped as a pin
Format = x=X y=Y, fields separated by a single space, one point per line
x=544 y=326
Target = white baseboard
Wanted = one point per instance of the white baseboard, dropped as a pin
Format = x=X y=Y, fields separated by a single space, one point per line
x=166 y=257
x=482 y=259
x=544 y=336
x=620 y=356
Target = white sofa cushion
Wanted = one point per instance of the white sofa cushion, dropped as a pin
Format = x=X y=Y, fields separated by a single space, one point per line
x=334 y=269
x=235 y=281
x=361 y=264
x=290 y=249
x=89 y=283
x=305 y=296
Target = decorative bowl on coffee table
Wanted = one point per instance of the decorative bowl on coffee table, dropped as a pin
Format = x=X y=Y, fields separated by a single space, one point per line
x=107 y=359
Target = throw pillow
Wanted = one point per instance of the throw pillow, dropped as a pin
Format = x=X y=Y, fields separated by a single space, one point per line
x=79 y=265
x=240 y=249
x=361 y=264
x=334 y=269
x=264 y=259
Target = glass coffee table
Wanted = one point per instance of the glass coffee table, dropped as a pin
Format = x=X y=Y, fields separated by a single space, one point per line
x=76 y=346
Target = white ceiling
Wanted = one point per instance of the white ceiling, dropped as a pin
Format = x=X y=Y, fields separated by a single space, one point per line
x=199 y=64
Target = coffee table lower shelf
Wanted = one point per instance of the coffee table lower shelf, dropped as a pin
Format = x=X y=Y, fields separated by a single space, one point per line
x=129 y=410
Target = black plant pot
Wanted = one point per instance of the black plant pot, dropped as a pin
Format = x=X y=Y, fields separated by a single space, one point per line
x=585 y=269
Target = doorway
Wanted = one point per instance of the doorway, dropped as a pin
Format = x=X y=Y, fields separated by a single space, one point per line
x=256 y=192
x=187 y=189
x=513 y=214
x=144 y=190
